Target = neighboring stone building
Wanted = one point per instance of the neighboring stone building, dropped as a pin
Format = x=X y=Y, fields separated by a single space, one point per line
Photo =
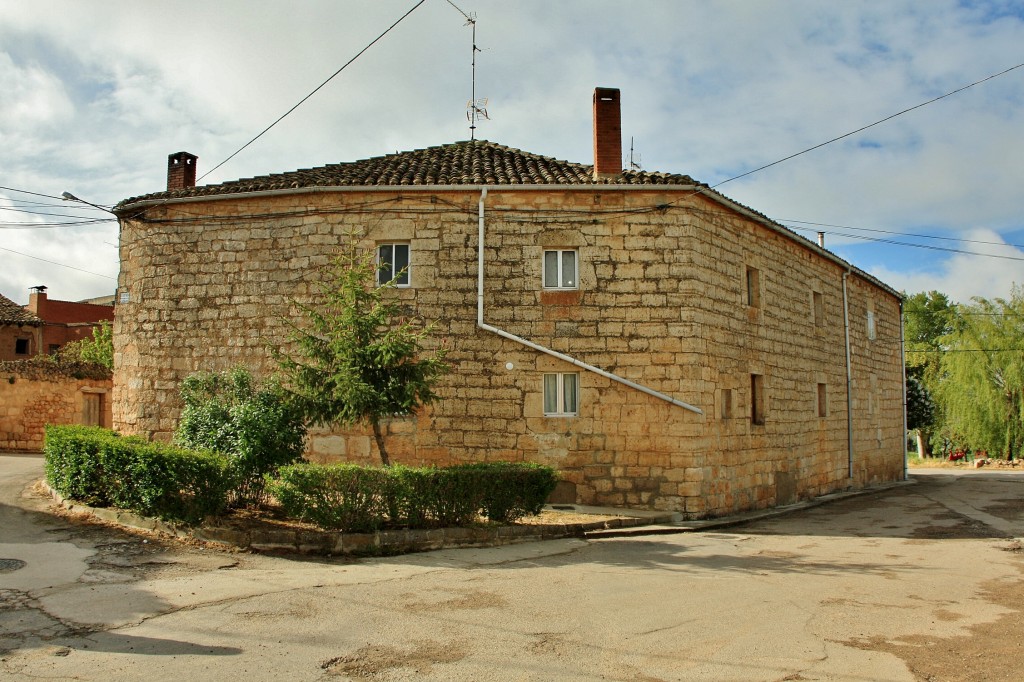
x=66 y=321
x=659 y=343
x=20 y=331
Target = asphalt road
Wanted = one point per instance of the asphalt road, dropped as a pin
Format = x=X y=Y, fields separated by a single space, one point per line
x=920 y=582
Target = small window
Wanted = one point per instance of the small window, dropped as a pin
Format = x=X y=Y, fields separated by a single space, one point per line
x=872 y=331
x=753 y=288
x=818 y=304
x=560 y=269
x=757 y=399
x=21 y=346
x=392 y=260
x=822 y=401
x=561 y=395
x=726 y=403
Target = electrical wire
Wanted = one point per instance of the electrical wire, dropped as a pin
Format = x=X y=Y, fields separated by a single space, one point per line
x=870 y=125
x=53 y=262
x=315 y=90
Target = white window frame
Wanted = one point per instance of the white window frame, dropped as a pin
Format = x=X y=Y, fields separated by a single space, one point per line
x=561 y=406
x=385 y=276
x=559 y=275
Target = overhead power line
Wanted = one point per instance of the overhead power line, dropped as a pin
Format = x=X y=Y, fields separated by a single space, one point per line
x=315 y=90
x=870 y=125
x=53 y=262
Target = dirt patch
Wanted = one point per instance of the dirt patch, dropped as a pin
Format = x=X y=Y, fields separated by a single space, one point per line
x=373 y=660
x=993 y=651
x=476 y=599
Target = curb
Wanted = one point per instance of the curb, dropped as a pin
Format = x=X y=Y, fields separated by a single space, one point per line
x=333 y=543
x=698 y=526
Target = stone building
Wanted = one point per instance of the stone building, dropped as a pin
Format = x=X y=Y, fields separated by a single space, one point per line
x=659 y=343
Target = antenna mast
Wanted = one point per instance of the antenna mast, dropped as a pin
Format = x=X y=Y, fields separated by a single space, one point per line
x=476 y=109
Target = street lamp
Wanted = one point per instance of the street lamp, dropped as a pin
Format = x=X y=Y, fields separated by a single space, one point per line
x=68 y=196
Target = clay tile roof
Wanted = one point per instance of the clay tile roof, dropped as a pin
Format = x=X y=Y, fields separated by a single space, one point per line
x=471 y=162
x=12 y=313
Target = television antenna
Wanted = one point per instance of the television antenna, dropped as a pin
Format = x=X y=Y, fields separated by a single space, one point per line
x=634 y=157
x=476 y=108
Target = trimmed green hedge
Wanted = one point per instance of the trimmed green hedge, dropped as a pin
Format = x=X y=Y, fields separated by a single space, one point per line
x=99 y=467
x=355 y=498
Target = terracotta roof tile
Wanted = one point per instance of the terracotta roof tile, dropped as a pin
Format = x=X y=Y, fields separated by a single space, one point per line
x=471 y=162
x=12 y=313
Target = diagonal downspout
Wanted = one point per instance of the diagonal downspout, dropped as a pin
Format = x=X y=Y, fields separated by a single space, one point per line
x=529 y=344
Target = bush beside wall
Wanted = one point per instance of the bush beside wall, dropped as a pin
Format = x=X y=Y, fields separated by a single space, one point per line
x=349 y=497
x=99 y=467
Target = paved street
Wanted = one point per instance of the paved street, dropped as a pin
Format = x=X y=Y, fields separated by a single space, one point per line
x=920 y=582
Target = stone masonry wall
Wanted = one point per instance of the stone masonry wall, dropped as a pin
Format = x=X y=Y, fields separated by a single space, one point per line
x=34 y=394
x=662 y=302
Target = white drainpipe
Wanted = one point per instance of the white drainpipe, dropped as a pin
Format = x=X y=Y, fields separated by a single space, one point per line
x=903 y=362
x=849 y=379
x=529 y=344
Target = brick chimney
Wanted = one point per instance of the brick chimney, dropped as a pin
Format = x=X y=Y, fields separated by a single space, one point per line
x=607 y=133
x=37 y=300
x=181 y=171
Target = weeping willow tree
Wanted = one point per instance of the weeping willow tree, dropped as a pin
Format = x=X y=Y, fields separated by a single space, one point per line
x=358 y=359
x=982 y=392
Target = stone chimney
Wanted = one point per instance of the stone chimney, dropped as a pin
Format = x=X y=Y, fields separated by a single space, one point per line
x=181 y=171
x=607 y=133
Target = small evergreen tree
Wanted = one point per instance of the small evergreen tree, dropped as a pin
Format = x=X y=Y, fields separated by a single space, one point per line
x=360 y=360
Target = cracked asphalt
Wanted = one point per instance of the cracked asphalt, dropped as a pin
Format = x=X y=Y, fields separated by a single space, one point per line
x=921 y=582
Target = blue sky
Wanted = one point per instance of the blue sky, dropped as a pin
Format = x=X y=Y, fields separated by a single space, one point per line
x=97 y=94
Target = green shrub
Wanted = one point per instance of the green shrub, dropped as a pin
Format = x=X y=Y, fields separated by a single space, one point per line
x=354 y=498
x=99 y=467
x=337 y=496
x=73 y=466
x=253 y=424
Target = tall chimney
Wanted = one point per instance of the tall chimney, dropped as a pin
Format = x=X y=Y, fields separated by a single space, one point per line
x=37 y=300
x=181 y=171
x=607 y=133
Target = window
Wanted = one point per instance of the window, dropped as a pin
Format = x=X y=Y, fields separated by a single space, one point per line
x=21 y=346
x=393 y=259
x=560 y=269
x=818 y=303
x=561 y=397
x=822 y=401
x=756 y=399
x=753 y=288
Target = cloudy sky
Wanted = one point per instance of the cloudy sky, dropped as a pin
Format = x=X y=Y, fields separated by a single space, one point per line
x=95 y=95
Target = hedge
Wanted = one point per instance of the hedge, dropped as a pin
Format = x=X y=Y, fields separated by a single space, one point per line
x=99 y=467
x=354 y=498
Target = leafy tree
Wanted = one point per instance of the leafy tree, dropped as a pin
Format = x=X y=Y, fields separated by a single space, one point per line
x=254 y=424
x=982 y=393
x=928 y=317
x=360 y=360
x=98 y=350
